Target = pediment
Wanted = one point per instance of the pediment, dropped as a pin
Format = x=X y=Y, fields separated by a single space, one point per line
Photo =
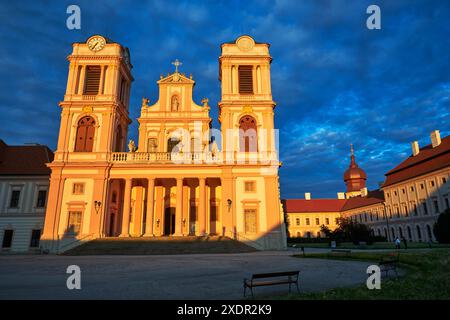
x=176 y=78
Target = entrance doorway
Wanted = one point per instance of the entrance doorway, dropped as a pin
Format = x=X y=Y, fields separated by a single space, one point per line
x=112 y=226
x=169 y=221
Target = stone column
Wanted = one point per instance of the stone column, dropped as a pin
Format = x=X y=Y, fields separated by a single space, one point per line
x=150 y=207
x=202 y=207
x=82 y=78
x=126 y=209
x=179 y=208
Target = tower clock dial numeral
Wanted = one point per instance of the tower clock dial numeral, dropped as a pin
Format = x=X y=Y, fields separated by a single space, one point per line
x=96 y=43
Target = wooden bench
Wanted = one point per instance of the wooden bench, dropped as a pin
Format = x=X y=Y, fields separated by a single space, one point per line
x=345 y=252
x=389 y=263
x=260 y=279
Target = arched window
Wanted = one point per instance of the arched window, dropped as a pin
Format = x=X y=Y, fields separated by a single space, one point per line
x=118 y=146
x=152 y=145
x=174 y=103
x=409 y=233
x=419 y=234
x=248 y=138
x=85 y=134
x=400 y=232
x=430 y=236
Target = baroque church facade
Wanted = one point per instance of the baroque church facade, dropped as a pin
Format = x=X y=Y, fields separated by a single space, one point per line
x=177 y=180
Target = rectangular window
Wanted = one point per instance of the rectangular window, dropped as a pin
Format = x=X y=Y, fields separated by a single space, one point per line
x=436 y=206
x=78 y=188
x=245 y=79
x=447 y=204
x=416 y=213
x=123 y=89
x=250 y=186
x=7 y=238
x=250 y=220
x=74 y=222
x=15 y=197
x=317 y=221
x=307 y=221
x=432 y=183
x=444 y=180
x=406 y=210
x=35 y=236
x=92 y=82
x=42 y=196
x=327 y=221
x=297 y=221
x=425 y=209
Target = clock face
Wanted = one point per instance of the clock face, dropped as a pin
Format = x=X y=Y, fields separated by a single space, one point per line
x=96 y=43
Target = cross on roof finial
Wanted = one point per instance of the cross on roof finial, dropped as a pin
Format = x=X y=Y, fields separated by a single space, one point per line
x=351 y=149
x=176 y=63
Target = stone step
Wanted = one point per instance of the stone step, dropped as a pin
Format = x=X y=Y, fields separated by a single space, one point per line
x=160 y=246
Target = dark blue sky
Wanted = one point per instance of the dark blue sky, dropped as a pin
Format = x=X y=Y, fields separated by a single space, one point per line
x=335 y=82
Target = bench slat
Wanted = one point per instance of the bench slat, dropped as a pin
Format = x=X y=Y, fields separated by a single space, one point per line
x=275 y=274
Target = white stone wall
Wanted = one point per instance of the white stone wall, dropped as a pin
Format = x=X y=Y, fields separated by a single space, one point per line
x=27 y=216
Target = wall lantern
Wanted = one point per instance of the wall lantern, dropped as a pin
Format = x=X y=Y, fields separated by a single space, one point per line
x=97 y=206
x=229 y=202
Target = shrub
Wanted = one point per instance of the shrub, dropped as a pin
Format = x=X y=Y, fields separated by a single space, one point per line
x=441 y=228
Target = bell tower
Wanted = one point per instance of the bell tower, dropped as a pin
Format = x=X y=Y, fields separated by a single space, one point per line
x=94 y=116
x=247 y=102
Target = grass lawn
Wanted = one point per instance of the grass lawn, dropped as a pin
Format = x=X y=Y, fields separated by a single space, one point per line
x=376 y=245
x=427 y=276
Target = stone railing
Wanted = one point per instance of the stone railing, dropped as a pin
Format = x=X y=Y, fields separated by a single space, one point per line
x=194 y=157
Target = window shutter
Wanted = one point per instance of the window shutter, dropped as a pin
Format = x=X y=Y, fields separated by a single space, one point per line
x=245 y=79
x=92 y=83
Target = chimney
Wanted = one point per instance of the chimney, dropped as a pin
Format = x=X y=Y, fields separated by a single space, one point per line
x=307 y=196
x=435 y=138
x=415 y=148
x=364 y=192
x=341 y=195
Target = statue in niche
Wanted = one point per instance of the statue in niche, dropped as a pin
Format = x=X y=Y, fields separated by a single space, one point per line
x=175 y=103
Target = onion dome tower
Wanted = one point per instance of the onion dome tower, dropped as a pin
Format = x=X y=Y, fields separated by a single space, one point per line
x=354 y=177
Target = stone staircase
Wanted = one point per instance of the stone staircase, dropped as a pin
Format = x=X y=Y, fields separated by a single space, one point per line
x=159 y=245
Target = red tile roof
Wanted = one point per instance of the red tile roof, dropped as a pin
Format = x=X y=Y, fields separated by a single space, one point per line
x=429 y=159
x=24 y=160
x=373 y=197
x=313 y=205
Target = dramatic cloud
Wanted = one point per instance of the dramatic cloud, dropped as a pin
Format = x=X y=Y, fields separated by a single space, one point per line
x=335 y=82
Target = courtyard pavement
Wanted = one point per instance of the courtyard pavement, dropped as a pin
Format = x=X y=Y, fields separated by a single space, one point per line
x=195 y=276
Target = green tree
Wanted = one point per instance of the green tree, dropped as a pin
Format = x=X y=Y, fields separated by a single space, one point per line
x=441 y=228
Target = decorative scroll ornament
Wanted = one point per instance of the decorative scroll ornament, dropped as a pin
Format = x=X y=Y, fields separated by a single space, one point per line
x=247 y=109
x=87 y=109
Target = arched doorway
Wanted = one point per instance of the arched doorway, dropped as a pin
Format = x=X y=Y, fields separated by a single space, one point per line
x=248 y=137
x=85 y=134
